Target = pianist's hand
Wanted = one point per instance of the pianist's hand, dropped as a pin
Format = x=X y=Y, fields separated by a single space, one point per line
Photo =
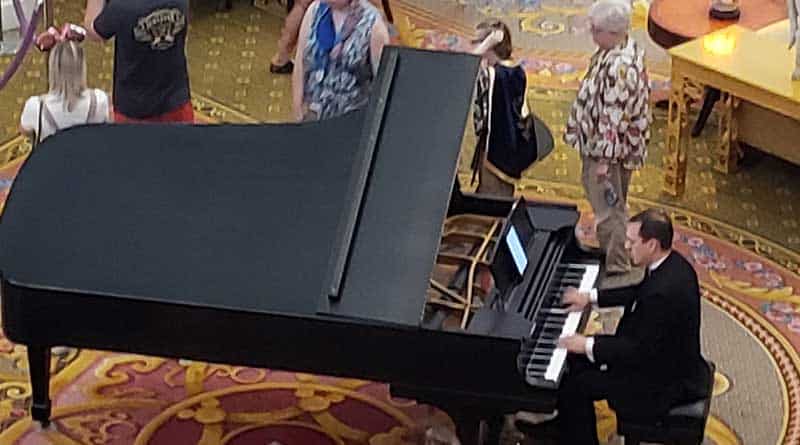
x=573 y=343
x=574 y=300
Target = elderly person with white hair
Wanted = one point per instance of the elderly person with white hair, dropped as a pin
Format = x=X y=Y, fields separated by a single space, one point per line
x=609 y=125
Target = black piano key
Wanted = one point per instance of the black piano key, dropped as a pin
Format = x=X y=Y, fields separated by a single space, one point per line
x=554 y=319
x=539 y=367
x=549 y=337
x=544 y=351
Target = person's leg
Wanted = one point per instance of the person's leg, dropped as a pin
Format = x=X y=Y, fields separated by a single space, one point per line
x=612 y=230
x=610 y=217
x=625 y=176
x=491 y=184
x=575 y=422
x=120 y=118
x=580 y=387
x=182 y=114
x=289 y=35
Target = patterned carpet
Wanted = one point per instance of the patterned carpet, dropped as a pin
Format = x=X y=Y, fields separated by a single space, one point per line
x=745 y=248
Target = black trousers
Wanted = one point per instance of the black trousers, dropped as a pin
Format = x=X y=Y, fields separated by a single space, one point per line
x=580 y=387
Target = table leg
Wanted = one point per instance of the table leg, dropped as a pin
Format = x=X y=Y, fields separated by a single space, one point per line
x=677 y=141
x=728 y=152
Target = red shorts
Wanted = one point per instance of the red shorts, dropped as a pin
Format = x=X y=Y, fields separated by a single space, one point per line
x=183 y=113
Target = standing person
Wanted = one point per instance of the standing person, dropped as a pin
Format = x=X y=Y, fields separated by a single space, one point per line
x=69 y=101
x=497 y=112
x=653 y=362
x=151 y=81
x=281 y=62
x=337 y=58
x=609 y=124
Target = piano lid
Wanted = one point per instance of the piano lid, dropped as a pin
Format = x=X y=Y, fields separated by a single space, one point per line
x=246 y=217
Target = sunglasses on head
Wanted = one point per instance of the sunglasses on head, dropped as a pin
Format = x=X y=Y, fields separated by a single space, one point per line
x=69 y=32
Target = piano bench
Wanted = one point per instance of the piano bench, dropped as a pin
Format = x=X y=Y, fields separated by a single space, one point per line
x=683 y=424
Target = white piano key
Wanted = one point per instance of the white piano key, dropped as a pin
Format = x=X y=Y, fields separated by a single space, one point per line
x=589 y=277
x=560 y=354
x=571 y=325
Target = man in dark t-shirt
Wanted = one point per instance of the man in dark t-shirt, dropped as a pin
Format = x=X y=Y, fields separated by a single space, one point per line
x=151 y=82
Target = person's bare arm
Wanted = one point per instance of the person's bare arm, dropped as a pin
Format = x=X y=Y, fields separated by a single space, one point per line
x=298 y=73
x=488 y=42
x=378 y=39
x=93 y=9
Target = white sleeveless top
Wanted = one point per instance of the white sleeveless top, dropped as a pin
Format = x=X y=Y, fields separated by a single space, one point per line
x=29 y=120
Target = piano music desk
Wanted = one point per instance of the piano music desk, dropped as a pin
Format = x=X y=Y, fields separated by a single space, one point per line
x=760 y=104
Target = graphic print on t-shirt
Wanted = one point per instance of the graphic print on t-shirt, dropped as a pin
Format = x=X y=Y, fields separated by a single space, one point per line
x=159 y=28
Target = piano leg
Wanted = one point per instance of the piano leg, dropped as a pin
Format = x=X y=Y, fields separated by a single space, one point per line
x=39 y=367
x=475 y=425
x=478 y=429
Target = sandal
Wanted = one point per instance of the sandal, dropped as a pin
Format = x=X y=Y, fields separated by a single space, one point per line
x=286 y=68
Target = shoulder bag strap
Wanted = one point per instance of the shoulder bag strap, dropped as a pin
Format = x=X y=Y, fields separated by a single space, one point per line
x=48 y=117
x=483 y=151
x=92 y=106
x=37 y=137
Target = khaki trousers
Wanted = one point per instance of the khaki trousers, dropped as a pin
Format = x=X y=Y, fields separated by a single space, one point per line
x=610 y=220
x=491 y=184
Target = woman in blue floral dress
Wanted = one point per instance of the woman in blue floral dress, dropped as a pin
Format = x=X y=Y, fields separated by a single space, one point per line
x=338 y=53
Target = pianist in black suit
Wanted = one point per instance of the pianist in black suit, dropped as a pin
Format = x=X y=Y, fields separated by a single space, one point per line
x=653 y=362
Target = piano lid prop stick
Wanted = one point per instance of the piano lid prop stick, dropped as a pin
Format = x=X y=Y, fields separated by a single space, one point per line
x=376 y=111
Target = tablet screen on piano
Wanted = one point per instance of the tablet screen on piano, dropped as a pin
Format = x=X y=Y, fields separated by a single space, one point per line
x=517 y=250
x=510 y=256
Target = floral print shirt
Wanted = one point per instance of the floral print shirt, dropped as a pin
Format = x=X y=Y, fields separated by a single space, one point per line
x=610 y=118
x=343 y=83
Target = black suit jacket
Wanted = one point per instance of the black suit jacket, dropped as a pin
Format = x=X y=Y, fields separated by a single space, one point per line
x=656 y=347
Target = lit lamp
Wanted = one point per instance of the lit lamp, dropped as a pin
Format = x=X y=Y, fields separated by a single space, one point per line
x=724 y=9
x=719 y=43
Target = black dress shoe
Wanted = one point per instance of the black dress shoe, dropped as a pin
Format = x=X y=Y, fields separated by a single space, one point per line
x=286 y=68
x=542 y=431
x=224 y=5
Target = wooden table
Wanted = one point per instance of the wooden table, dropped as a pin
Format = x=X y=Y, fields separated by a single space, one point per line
x=672 y=22
x=744 y=66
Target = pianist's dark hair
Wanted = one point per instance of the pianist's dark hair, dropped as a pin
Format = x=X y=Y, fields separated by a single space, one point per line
x=656 y=224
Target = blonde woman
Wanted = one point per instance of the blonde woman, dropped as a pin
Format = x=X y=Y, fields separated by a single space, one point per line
x=68 y=102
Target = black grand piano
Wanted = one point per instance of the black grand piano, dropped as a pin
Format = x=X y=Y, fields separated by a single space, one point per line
x=247 y=244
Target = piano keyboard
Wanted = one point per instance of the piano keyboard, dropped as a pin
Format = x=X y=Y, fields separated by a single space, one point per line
x=540 y=357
